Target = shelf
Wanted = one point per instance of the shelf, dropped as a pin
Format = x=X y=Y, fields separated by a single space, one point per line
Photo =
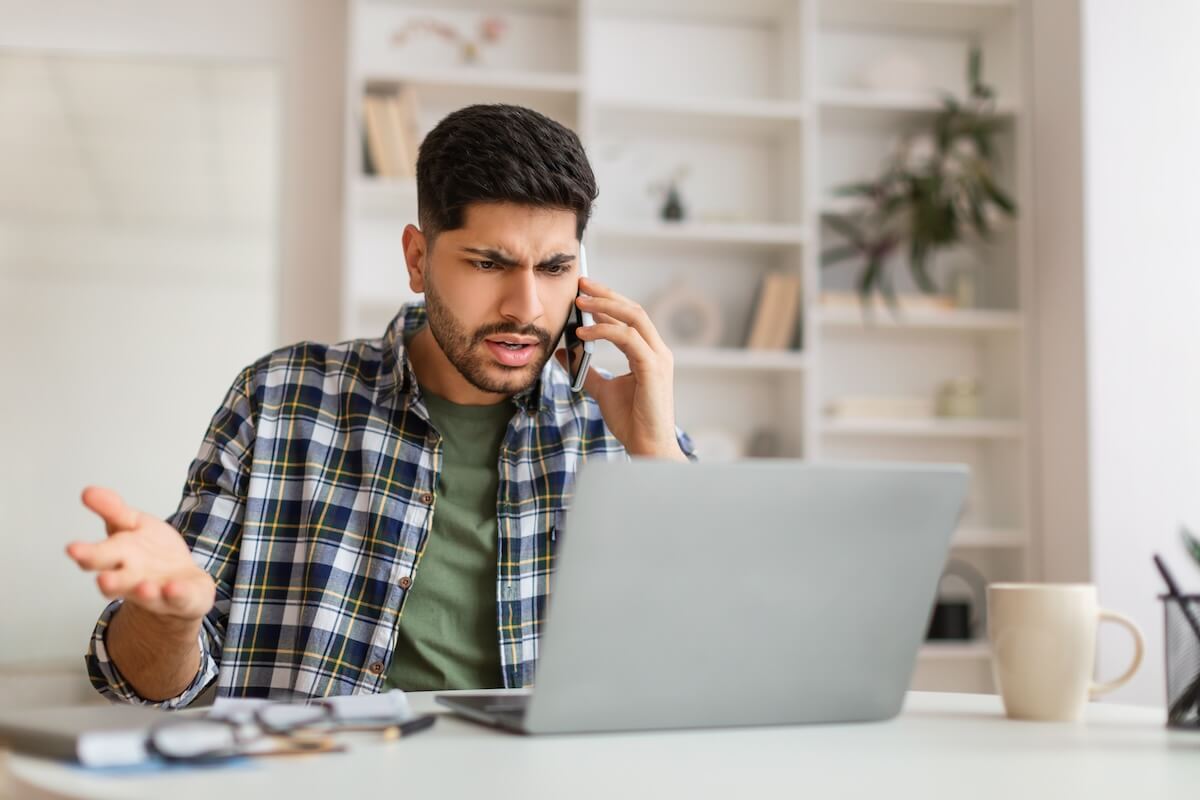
x=887 y=108
x=990 y=538
x=935 y=427
x=963 y=16
x=739 y=359
x=883 y=320
x=481 y=78
x=765 y=235
x=552 y=6
x=956 y=651
x=717 y=358
x=712 y=11
x=724 y=116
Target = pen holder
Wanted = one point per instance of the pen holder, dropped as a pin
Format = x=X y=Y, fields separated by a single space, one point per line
x=1182 y=661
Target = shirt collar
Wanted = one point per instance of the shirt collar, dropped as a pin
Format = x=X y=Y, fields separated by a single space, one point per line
x=397 y=377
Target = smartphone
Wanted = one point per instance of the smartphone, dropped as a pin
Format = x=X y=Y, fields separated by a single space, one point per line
x=579 y=352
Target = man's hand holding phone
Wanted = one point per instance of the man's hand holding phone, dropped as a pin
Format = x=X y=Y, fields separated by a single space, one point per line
x=639 y=407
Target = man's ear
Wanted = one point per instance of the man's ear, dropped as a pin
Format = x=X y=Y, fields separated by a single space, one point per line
x=414 y=257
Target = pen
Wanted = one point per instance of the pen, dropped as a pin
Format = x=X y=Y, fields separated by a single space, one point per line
x=415 y=725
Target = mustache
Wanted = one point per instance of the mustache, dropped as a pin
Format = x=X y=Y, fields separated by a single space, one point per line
x=497 y=328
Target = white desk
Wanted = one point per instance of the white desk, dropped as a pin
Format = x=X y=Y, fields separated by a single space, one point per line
x=943 y=745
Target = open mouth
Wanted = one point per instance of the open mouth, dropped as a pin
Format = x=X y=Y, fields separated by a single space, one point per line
x=512 y=351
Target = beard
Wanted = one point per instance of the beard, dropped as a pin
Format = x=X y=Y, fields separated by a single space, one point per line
x=466 y=352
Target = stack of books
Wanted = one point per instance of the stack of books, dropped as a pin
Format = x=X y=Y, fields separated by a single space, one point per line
x=775 y=322
x=392 y=133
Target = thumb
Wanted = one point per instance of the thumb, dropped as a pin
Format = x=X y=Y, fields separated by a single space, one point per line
x=109 y=506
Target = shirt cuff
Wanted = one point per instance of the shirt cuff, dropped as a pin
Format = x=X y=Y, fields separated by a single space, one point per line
x=109 y=682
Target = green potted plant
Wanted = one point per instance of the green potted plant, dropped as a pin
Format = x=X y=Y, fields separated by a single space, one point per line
x=937 y=190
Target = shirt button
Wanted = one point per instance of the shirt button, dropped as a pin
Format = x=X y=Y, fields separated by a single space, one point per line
x=376 y=668
x=427 y=499
x=405 y=582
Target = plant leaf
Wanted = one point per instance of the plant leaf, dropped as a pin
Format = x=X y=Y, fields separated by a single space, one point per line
x=889 y=293
x=1191 y=543
x=978 y=218
x=856 y=189
x=869 y=276
x=975 y=69
x=846 y=227
x=835 y=255
x=997 y=196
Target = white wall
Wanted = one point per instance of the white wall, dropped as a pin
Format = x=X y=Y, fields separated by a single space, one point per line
x=112 y=377
x=306 y=40
x=1142 y=211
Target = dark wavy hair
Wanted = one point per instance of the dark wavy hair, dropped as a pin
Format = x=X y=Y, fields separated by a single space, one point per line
x=500 y=153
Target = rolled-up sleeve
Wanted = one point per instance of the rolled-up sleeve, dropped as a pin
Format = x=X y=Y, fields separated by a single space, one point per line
x=108 y=679
x=209 y=517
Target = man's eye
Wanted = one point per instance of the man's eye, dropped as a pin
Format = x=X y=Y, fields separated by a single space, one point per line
x=486 y=266
x=554 y=269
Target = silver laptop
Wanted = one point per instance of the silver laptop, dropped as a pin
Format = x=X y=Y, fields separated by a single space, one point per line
x=757 y=593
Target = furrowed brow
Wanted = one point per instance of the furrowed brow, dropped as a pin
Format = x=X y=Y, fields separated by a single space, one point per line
x=502 y=258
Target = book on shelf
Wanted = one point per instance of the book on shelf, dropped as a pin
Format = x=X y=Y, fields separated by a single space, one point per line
x=368 y=164
x=776 y=314
x=403 y=109
x=392 y=131
x=374 y=122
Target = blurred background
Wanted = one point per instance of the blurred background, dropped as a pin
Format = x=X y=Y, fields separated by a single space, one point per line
x=916 y=230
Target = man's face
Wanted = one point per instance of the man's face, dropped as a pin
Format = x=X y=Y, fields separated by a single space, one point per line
x=498 y=291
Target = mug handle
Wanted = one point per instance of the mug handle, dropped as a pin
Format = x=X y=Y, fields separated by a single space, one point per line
x=1139 y=647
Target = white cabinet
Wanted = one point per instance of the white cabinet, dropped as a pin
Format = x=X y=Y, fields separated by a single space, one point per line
x=763 y=106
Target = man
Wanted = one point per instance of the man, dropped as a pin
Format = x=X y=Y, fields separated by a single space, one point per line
x=385 y=513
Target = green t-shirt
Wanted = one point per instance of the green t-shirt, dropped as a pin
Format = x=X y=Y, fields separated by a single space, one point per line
x=448 y=635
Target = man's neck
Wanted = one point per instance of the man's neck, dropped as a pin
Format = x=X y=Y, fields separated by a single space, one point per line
x=436 y=374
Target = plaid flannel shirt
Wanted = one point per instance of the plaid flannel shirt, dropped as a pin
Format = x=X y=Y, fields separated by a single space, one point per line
x=310 y=504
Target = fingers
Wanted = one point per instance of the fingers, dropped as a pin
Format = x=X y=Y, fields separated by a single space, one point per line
x=111 y=508
x=146 y=592
x=190 y=596
x=595 y=288
x=96 y=556
x=119 y=583
x=625 y=311
x=601 y=317
x=627 y=339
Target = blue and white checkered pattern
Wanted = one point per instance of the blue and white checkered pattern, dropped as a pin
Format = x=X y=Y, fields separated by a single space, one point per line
x=313 y=496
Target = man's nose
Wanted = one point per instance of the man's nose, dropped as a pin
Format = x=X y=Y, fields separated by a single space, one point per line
x=521 y=302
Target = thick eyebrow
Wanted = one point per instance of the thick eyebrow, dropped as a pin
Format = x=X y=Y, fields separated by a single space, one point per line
x=503 y=259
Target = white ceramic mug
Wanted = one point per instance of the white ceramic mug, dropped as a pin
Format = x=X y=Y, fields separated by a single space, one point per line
x=1043 y=638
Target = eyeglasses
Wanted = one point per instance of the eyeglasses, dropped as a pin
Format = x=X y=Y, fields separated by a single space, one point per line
x=271 y=729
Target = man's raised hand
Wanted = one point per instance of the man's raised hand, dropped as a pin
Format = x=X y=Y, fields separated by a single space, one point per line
x=143 y=560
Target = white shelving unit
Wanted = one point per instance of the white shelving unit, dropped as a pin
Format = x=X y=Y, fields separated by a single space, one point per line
x=916 y=428
x=769 y=105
